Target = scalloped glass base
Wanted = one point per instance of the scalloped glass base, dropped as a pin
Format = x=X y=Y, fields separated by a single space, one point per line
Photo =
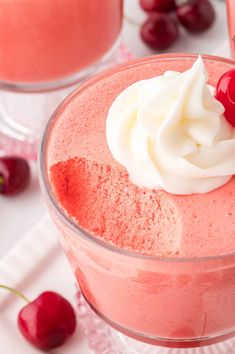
x=104 y=339
x=23 y=115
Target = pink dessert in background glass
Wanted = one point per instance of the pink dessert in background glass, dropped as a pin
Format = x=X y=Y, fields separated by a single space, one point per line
x=51 y=39
x=231 y=24
x=157 y=266
x=46 y=47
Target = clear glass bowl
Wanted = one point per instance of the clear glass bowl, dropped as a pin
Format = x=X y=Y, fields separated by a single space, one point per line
x=172 y=302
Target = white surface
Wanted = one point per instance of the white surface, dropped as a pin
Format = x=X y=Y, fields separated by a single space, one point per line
x=20 y=213
x=36 y=264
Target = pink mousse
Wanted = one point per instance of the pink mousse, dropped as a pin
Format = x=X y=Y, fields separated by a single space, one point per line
x=156 y=298
x=95 y=190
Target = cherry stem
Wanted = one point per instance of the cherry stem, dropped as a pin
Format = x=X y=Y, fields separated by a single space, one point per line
x=1 y=183
x=15 y=292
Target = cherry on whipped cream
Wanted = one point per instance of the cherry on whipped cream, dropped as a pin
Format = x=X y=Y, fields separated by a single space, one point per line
x=46 y=322
x=225 y=93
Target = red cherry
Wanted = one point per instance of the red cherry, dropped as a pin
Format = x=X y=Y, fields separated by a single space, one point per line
x=14 y=175
x=159 y=31
x=47 y=321
x=225 y=93
x=158 y=5
x=196 y=15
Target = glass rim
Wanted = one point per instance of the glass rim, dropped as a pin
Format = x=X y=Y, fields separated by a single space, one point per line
x=62 y=82
x=45 y=184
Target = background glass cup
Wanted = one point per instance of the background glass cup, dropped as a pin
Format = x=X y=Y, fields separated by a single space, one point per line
x=231 y=25
x=172 y=302
x=48 y=45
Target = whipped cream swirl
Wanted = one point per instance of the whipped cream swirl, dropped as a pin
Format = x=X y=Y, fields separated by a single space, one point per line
x=170 y=133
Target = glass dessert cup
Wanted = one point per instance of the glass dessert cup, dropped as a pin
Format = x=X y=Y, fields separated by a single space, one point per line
x=231 y=25
x=165 y=301
x=45 y=48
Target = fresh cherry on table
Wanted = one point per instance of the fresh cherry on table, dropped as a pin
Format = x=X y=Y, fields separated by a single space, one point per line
x=158 y=5
x=14 y=175
x=159 y=31
x=47 y=321
x=196 y=15
x=225 y=93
